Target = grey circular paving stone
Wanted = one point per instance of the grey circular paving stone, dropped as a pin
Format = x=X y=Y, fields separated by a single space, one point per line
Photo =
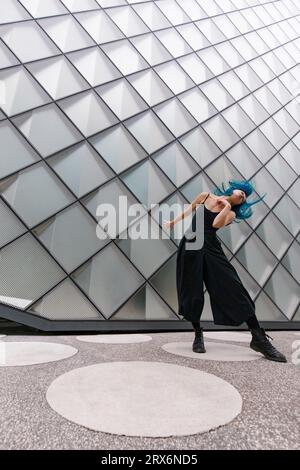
x=115 y=339
x=24 y=353
x=143 y=398
x=214 y=351
x=228 y=336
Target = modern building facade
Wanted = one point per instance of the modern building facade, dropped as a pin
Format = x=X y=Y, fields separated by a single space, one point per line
x=152 y=102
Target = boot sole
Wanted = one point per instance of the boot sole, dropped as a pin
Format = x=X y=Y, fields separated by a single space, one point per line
x=270 y=358
x=195 y=349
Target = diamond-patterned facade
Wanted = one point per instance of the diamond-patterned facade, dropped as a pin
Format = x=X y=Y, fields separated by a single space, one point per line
x=155 y=101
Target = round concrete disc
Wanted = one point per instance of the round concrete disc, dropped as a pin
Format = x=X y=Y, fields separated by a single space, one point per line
x=214 y=351
x=115 y=339
x=33 y=352
x=228 y=336
x=141 y=398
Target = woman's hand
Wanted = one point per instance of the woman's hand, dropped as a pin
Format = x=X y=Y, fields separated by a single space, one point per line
x=168 y=224
x=222 y=202
x=221 y=219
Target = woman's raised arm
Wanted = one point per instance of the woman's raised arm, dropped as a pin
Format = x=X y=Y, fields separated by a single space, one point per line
x=198 y=200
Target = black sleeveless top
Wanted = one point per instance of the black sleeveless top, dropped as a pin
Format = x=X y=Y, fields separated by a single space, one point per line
x=211 y=241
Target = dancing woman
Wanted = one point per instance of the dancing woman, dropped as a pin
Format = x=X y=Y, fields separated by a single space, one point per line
x=230 y=302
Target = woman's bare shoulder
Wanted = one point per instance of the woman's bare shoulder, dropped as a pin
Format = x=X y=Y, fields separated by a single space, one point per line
x=201 y=196
x=230 y=217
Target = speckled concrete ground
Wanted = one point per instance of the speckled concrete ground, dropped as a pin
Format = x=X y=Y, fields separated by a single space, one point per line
x=270 y=418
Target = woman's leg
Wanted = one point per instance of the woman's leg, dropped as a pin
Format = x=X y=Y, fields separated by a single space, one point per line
x=253 y=322
x=196 y=325
x=260 y=342
x=198 y=344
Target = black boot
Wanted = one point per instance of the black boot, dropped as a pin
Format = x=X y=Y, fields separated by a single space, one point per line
x=198 y=344
x=260 y=343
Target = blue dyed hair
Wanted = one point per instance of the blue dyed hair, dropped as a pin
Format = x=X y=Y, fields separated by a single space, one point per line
x=242 y=211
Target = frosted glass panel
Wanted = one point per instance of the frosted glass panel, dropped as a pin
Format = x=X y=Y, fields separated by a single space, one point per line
x=12 y=11
x=127 y=20
x=195 y=68
x=71 y=237
x=175 y=78
x=122 y=99
x=88 y=112
x=58 y=77
x=81 y=168
x=11 y=227
x=66 y=302
x=173 y=42
x=21 y=91
x=176 y=164
x=100 y=276
x=16 y=152
x=198 y=104
x=113 y=193
x=257 y=259
x=217 y=94
x=27 y=271
x=221 y=132
x=99 y=26
x=7 y=58
x=47 y=129
x=175 y=117
x=35 y=193
x=40 y=8
x=200 y=146
x=151 y=15
x=119 y=149
x=125 y=57
x=93 y=64
x=172 y=11
x=66 y=32
x=151 y=49
x=284 y=291
x=149 y=131
x=20 y=36
x=153 y=248
x=148 y=184
x=150 y=86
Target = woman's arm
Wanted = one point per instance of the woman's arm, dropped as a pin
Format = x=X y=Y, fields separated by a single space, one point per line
x=225 y=217
x=231 y=216
x=198 y=200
